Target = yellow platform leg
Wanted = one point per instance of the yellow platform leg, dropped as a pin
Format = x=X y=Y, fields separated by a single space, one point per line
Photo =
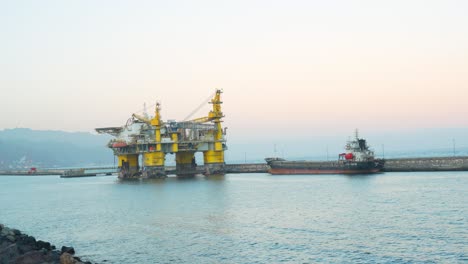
x=214 y=162
x=185 y=164
x=175 y=145
x=128 y=166
x=214 y=158
x=154 y=165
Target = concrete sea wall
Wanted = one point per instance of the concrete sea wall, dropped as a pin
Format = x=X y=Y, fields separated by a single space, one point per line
x=391 y=165
x=427 y=164
x=247 y=168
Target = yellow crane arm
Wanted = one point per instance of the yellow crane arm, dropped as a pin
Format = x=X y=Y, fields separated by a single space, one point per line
x=200 y=120
x=214 y=114
x=155 y=121
x=142 y=119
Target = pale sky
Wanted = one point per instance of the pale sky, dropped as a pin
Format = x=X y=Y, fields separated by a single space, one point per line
x=294 y=68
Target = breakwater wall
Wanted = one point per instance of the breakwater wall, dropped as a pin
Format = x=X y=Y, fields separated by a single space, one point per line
x=230 y=168
x=28 y=173
x=427 y=164
x=247 y=168
x=391 y=165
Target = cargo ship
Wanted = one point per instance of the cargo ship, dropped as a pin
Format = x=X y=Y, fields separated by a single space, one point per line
x=358 y=159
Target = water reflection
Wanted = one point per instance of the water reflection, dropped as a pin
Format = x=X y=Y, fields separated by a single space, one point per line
x=220 y=177
x=213 y=178
x=367 y=176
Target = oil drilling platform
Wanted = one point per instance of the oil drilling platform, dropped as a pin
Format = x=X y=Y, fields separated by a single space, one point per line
x=154 y=139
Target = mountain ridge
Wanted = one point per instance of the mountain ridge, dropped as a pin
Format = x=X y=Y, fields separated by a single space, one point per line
x=24 y=147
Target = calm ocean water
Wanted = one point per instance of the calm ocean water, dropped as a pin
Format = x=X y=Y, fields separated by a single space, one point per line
x=247 y=218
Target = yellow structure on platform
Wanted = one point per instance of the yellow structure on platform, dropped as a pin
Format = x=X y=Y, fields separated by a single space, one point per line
x=128 y=164
x=154 y=159
x=217 y=154
x=153 y=139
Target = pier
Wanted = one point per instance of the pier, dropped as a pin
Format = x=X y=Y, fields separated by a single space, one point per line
x=426 y=164
x=63 y=172
x=391 y=165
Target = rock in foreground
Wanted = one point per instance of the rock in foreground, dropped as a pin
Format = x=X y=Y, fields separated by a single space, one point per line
x=19 y=248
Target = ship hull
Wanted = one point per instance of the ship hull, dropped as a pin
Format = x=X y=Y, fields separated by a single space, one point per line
x=282 y=167
x=286 y=171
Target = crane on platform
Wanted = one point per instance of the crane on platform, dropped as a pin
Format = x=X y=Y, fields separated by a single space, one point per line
x=142 y=119
x=147 y=120
x=199 y=107
x=213 y=115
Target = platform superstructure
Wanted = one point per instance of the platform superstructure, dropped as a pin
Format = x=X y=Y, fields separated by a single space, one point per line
x=154 y=139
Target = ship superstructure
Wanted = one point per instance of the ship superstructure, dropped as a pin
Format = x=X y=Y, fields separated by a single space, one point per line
x=357 y=150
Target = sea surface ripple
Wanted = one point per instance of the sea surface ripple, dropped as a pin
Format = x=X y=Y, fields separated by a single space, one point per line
x=247 y=218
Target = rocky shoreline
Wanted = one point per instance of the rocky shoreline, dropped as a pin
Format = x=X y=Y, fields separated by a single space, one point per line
x=18 y=248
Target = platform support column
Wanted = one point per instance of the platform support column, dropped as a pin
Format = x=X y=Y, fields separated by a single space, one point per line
x=128 y=166
x=214 y=162
x=154 y=165
x=185 y=164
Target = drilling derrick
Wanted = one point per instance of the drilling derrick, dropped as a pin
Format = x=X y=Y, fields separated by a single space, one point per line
x=154 y=139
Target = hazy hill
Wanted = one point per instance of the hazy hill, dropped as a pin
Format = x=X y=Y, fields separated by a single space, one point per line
x=23 y=147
